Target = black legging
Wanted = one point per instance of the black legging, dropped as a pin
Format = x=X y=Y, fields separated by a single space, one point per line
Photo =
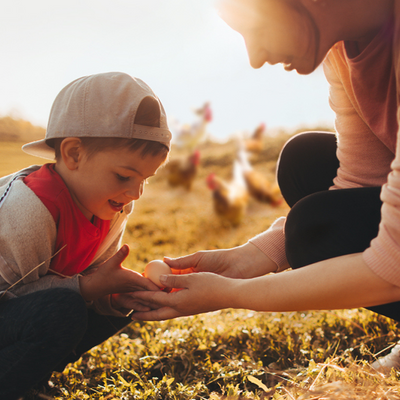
x=325 y=223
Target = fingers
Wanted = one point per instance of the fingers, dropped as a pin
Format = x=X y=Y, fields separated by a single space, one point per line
x=139 y=282
x=174 y=281
x=127 y=302
x=155 y=315
x=184 y=262
x=183 y=271
x=121 y=254
x=153 y=299
x=140 y=307
x=117 y=258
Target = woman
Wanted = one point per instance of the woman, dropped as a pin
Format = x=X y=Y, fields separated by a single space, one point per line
x=344 y=194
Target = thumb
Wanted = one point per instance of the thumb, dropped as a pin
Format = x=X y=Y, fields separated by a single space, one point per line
x=173 y=281
x=121 y=254
x=184 y=262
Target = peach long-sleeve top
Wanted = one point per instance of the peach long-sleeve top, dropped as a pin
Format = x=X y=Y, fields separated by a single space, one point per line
x=363 y=95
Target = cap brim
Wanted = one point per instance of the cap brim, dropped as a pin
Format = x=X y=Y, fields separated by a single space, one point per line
x=39 y=149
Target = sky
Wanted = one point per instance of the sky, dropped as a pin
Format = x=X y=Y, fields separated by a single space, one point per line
x=181 y=48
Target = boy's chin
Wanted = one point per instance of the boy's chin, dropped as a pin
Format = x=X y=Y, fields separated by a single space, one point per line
x=108 y=216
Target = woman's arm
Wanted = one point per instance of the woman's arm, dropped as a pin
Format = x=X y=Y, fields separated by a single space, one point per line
x=342 y=282
x=232 y=263
x=383 y=256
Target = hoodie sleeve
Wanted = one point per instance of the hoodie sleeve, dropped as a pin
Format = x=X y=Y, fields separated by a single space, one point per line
x=272 y=243
x=27 y=241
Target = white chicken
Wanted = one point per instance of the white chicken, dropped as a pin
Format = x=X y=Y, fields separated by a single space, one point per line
x=188 y=136
x=258 y=186
x=230 y=198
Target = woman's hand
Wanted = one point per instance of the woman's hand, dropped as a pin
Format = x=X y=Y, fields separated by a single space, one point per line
x=200 y=292
x=246 y=261
x=124 y=303
x=111 y=277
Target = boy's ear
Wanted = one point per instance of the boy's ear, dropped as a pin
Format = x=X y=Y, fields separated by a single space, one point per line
x=71 y=152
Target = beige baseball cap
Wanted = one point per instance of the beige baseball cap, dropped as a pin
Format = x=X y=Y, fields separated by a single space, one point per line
x=101 y=105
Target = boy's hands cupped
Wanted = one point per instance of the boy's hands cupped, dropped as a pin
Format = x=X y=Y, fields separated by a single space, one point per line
x=111 y=277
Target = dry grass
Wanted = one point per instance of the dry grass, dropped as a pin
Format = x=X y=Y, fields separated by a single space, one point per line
x=231 y=354
x=12 y=158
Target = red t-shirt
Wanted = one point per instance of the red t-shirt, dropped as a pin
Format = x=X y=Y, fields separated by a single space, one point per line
x=81 y=237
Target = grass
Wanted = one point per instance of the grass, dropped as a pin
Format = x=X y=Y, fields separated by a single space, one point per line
x=230 y=354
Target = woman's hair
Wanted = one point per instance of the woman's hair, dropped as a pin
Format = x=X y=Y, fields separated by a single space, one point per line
x=147 y=114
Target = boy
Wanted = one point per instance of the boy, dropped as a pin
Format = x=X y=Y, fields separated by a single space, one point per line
x=60 y=222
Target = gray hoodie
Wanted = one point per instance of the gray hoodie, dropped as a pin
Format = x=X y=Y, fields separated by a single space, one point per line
x=27 y=241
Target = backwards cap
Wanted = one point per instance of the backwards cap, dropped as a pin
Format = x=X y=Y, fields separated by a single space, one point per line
x=101 y=105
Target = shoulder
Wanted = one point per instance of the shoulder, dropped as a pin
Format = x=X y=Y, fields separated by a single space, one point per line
x=336 y=58
x=6 y=181
x=21 y=207
x=335 y=66
x=27 y=233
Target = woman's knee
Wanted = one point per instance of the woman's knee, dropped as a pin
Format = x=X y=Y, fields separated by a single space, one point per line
x=307 y=164
x=332 y=223
x=303 y=231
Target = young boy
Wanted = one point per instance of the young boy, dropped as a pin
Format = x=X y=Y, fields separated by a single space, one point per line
x=60 y=222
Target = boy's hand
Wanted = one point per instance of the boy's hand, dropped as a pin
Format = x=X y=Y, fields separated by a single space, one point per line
x=111 y=277
x=125 y=303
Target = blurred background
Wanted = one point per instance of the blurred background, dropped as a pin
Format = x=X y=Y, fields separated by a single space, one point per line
x=181 y=48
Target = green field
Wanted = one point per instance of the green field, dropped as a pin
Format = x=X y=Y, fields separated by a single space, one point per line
x=232 y=353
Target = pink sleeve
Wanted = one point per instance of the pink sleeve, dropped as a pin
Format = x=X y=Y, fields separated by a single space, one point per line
x=272 y=243
x=383 y=256
x=357 y=144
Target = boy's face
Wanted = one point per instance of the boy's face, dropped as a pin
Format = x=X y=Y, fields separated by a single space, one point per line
x=107 y=181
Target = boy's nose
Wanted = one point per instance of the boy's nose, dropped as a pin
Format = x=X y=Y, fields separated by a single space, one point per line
x=135 y=191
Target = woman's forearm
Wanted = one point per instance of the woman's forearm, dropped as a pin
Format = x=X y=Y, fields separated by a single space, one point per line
x=341 y=282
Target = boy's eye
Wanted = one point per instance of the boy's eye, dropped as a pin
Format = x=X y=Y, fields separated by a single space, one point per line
x=123 y=178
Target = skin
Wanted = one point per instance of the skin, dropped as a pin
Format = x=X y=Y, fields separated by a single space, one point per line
x=101 y=185
x=274 y=32
x=241 y=277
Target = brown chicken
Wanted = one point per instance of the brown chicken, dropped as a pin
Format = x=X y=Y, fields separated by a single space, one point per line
x=258 y=186
x=182 y=172
x=255 y=143
x=230 y=198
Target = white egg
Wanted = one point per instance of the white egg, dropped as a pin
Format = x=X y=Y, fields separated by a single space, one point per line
x=156 y=268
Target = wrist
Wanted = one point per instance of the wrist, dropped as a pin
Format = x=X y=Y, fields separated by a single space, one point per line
x=230 y=295
x=261 y=263
x=88 y=288
x=251 y=293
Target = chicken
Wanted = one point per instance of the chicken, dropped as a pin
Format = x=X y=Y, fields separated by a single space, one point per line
x=230 y=198
x=188 y=136
x=182 y=172
x=258 y=186
x=254 y=144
